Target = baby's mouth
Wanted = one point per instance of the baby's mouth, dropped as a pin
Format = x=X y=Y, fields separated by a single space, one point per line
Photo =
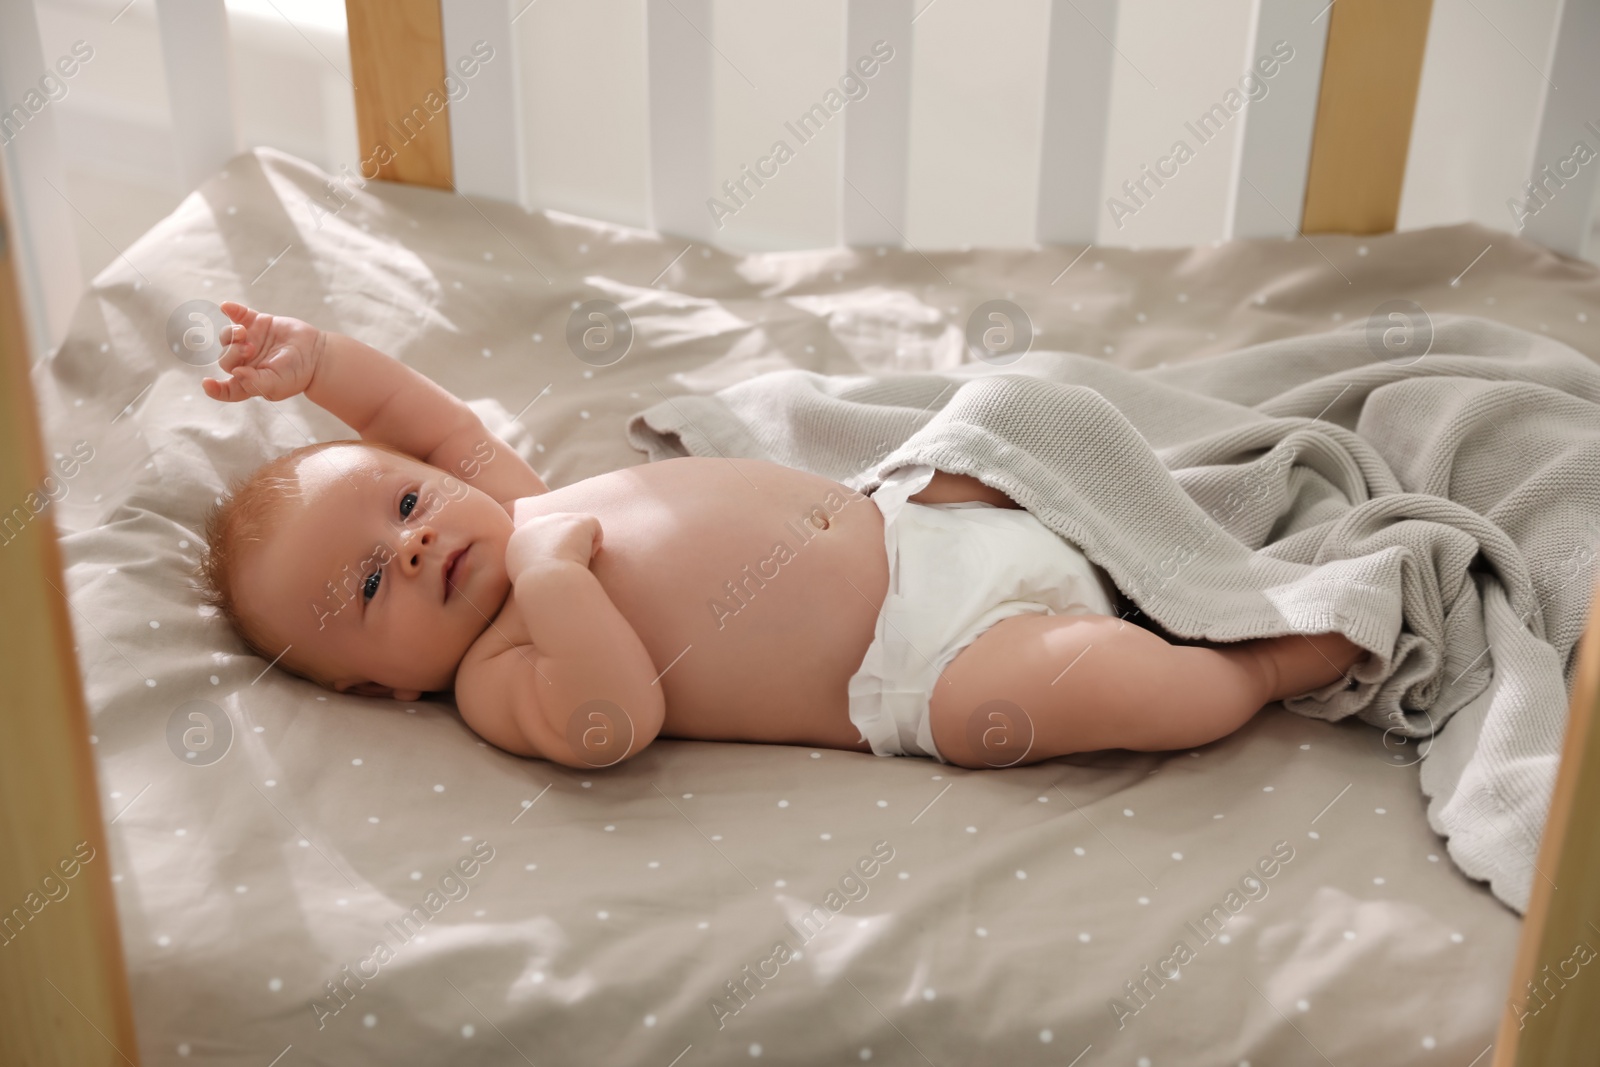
x=450 y=569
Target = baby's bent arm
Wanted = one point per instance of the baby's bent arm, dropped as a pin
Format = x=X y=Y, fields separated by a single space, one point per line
x=583 y=692
x=384 y=400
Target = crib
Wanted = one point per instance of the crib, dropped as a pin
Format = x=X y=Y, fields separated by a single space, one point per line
x=1324 y=154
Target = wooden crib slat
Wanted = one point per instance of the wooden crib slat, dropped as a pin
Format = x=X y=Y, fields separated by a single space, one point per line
x=402 y=106
x=63 y=983
x=199 y=69
x=486 y=97
x=679 y=56
x=1269 y=176
x=877 y=129
x=1364 y=110
x=1558 y=1024
x=1558 y=204
x=42 y=236
x=1077 y=110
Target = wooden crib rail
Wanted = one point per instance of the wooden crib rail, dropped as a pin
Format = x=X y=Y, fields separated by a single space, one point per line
x=1549 y=1016
x=63 y=984
x=402 y=103
x=1368 y=97
x=1325 y=151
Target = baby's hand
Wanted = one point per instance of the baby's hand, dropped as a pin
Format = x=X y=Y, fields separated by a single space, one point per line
x=562 y=536
x=269 y=356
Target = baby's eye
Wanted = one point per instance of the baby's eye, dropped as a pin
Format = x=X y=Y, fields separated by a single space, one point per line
x=407 y=504
x=369 y=588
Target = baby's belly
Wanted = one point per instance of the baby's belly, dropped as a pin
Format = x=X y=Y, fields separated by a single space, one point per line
x=754 y=587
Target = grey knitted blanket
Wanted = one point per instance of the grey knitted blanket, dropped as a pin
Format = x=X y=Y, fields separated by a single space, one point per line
x=1442 y=514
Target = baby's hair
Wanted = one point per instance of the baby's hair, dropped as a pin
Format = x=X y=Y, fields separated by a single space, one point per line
x=247 y=515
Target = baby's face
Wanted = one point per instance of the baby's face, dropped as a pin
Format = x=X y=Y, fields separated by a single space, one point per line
x=381 y=574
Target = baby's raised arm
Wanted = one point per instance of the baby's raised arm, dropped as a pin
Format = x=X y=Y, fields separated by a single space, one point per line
x=382 y=399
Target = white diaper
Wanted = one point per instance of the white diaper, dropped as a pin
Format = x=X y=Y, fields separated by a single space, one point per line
x=954 y=571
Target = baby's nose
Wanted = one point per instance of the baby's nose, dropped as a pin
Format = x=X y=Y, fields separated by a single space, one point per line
x=416 y=543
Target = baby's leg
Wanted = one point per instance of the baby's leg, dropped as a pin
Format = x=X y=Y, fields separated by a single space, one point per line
x=1037 y=686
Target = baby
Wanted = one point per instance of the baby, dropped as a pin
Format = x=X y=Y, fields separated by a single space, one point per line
x=714 y=599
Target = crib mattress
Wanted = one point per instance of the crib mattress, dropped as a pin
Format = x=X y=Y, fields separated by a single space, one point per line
x=333 y=879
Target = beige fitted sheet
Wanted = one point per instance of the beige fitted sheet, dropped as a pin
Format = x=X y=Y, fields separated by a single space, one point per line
x=618 y=904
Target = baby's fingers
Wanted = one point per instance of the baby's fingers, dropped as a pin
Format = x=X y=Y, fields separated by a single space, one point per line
x=237 y=348
x=227 y=390
x=237 y=312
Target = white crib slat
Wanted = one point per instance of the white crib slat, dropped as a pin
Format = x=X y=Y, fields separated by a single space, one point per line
x=1558 y=201
x=1077 y=108
x=1273 y=153
x=678 y=53
x=199 y=67
x=877 y=129
x=41 y=236
x=485 y=122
